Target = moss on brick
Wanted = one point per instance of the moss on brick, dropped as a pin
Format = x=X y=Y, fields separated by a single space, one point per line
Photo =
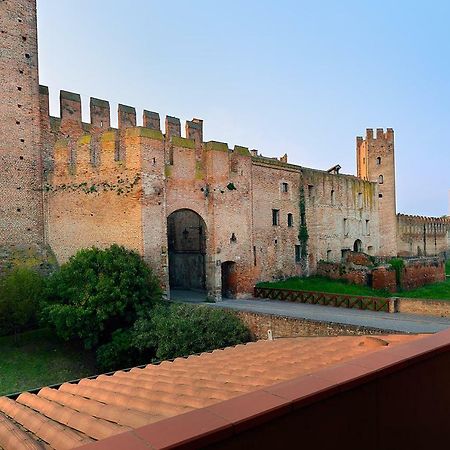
x=242 y=151
x=168 y=170
x=145 y=132
x=109 y=136
x=85 y=140
x=183 y=142
x=216 y=146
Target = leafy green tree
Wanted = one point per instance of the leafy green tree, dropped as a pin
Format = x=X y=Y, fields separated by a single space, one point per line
x=180 y=330
x=20 y=293
x=98 y=292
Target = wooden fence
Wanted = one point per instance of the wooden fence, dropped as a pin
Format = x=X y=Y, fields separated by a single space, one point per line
x=325 y=298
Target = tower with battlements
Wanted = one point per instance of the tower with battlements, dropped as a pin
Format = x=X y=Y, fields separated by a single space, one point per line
x=21 y=206
x=376 y=163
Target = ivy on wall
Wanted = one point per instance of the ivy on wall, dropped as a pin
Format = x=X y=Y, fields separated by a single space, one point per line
x=303 y=230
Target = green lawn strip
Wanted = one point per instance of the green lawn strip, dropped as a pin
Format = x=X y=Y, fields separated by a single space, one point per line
x=320 y=284
x=435 y=291
x=447 y=267
x=37 y=358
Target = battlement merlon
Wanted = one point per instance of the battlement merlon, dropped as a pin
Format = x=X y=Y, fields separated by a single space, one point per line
x=380 y=135
x=100 y=117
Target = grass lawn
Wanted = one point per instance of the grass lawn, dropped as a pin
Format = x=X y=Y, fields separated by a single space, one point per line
x=447 y=267
x=38 y=359
x=435 y=291
x=324 y=285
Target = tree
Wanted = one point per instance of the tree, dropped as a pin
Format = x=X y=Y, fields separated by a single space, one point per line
x=98 y=292
x=20 y=293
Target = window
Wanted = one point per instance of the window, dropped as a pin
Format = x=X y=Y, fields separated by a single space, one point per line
x=275 y=217
x=380 y=195
x=329 y=255
x=367 y=228
x=333 y=198
x=290 y=220
x=378 y=161
x=381 y=179
x=345 y=227
x=284 y=187
x=360 y=200
x=298 y=253
x=310 y=191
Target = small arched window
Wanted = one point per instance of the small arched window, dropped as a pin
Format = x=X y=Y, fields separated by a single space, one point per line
x=380 y=179
x=333 y=197
x=378 y=160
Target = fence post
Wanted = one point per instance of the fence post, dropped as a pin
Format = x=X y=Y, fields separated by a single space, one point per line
x=394 y=305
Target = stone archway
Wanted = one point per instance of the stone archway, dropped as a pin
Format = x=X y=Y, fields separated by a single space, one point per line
x=357 y=246
x=229 y=279
x=186 y=233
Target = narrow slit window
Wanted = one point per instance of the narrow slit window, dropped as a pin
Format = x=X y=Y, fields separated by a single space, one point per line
x=290 y=220
x=275 y=217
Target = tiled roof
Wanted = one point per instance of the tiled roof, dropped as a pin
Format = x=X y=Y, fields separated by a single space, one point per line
x=93 y=409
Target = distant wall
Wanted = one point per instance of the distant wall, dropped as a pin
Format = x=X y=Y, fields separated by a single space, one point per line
x=423 y=236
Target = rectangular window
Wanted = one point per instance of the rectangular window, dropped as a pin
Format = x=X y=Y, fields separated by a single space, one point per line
x=298 y=253
x=367 y=227
x=290 y=220
x=345 y=227
x=310 y=191
x=275 y=217
x=360 y=200
x=329 y=255
x=333 y=198
x=284 y=187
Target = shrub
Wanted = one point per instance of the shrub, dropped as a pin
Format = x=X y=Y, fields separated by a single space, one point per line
x=180 y=330
x=20 y=293
x=120 y=353
x=398 y=265
x=98 y=292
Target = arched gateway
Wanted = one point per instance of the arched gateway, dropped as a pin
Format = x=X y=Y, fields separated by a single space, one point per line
x=186 y=232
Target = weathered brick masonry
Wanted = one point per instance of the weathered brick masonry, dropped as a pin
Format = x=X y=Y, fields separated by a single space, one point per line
x=204 y=215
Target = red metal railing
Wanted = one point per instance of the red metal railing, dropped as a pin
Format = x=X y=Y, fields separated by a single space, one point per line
x=324 y=298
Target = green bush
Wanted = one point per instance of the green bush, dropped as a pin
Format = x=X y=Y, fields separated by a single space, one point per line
x=98 y=292
x=398 y=265
x=180 y=330
x=120 y=353
x=20 y=293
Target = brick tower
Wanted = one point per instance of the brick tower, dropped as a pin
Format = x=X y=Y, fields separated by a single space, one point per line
x=21 y=206
x=376 y=162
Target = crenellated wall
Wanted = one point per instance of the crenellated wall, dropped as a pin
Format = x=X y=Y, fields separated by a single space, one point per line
x=423 y=236
x=69 y=184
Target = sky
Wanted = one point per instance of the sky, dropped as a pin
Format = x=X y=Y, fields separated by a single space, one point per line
x=282 y=76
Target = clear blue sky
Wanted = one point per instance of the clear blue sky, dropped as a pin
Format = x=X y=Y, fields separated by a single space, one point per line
x=300 y=77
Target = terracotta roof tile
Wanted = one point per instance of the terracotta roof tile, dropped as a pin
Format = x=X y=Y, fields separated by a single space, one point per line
x=95 y=409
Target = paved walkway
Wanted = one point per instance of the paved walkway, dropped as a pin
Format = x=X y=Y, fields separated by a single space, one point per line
x=400 y=322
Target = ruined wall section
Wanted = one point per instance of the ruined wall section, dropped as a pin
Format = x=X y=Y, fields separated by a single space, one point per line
x=21 y=207
x=341 y=215
x=95 y=189
x=376 y=163
x=423 y=236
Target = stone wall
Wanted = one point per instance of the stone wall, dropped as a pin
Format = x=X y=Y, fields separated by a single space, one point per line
x=283 y=327
x=438 y=308
x=423 y=236
x=422 y=271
